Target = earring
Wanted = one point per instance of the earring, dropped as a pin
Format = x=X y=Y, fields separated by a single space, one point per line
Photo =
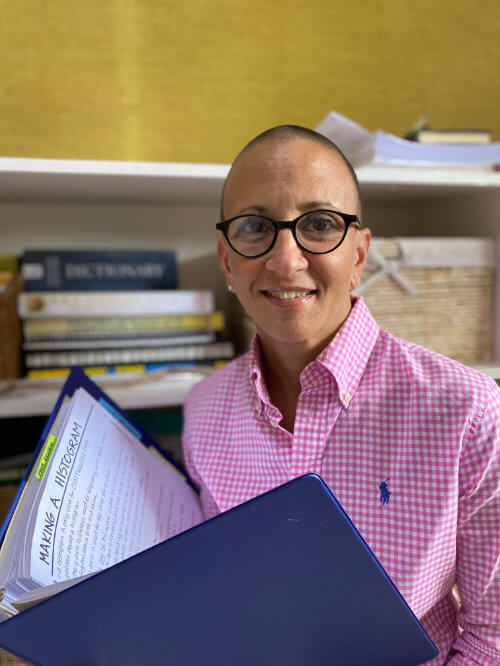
x=229 y=288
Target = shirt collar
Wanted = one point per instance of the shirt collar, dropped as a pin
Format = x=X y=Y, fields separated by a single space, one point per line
x=345 y=357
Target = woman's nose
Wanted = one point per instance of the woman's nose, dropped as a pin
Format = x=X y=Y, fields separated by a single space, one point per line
x=286 y=257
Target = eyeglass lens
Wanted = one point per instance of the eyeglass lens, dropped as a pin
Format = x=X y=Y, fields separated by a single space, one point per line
x=318 y=231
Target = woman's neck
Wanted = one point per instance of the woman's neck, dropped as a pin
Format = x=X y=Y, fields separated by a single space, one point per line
x=282 y=367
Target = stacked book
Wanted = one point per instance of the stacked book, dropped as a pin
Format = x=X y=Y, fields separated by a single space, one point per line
x=10 y=327
x=114 y=311
x=8 y=270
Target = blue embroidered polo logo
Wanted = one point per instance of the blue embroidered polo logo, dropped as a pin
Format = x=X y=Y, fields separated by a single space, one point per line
x=385 y=493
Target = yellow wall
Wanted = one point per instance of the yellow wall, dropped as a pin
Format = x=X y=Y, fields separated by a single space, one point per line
x=193 y=80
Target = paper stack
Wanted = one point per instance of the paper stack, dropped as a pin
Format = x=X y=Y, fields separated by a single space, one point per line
x=361 y=146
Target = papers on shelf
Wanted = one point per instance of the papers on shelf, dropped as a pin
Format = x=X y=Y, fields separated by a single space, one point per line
x=361 y=146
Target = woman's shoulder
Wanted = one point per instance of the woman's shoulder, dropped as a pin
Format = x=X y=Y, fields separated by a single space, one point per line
x=441 y=373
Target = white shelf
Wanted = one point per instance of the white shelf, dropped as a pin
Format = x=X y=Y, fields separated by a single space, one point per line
x=491 y=370
x=28 y=180
x=430 y=182
x=147 y=204
x=26 y=397
x=24 y=179
x=37 y=397
x=429 y=176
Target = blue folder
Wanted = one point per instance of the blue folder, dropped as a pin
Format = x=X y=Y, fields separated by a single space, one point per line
x=283 y=579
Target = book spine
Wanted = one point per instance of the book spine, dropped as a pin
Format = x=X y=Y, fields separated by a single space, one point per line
x=139 y=368
x=78 y=270
x=451 y=136
x=168 y=340
x=38 y=305
x=9 y=262
x=105 y=326
x=216 y=350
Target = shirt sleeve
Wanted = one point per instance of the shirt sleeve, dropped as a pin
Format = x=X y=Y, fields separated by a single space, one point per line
x=478 y=539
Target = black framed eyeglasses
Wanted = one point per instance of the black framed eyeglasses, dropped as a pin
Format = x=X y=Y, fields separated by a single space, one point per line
x=317 y=231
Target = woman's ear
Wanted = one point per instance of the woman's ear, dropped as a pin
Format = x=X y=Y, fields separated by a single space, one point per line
x=363 y=237
x=363 y=244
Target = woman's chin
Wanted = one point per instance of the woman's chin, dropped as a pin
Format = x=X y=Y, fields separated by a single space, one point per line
x=281 y=335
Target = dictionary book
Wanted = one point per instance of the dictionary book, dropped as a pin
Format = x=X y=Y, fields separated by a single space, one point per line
x=107 y=542
x=82 y=270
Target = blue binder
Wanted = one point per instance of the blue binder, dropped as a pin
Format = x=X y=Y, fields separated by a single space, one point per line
x=283 y=579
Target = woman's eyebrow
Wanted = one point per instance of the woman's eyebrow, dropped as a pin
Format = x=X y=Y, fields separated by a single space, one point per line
x=260 y=210
x=307 y=205
x=311 y=205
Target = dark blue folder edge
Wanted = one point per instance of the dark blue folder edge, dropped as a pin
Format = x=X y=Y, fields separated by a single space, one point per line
x=371 y=554
x=78 y=379
x=181 y=535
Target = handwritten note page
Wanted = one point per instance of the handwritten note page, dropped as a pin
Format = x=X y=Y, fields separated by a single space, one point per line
x=106 y=497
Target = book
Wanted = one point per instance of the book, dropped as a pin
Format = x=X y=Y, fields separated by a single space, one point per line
x=9 y=263
x=39 y=305
x=450 y=136
x=75 y=553
x=361 y=146
x=81 y=270
x=215 y=350
x=6 y=278
x=124 y=369
x=168 y=339
x=96 y=327
x=10 y=328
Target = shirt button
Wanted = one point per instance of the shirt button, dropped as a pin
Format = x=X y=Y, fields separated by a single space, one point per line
x=347 y=396
x=275 y=425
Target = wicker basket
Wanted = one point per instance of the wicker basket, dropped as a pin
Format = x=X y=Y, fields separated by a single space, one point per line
x=436 y=292
x=10 y=330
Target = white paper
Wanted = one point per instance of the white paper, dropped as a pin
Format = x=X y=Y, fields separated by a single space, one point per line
x=361 y=146
x=107 y=497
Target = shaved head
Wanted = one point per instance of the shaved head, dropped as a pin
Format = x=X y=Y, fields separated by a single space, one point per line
x=284 y=134
x=282 y=175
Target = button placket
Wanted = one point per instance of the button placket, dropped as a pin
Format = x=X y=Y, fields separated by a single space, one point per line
x=312 y=429
x=304 y=447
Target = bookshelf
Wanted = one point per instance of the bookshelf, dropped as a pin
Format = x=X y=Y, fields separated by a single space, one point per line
x=73 y=203
x=37 y=397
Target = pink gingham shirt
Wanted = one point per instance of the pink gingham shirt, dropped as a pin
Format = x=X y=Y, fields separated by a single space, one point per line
x=373 y=407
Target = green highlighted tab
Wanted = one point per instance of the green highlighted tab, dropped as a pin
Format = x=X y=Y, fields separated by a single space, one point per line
x=51 y=442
